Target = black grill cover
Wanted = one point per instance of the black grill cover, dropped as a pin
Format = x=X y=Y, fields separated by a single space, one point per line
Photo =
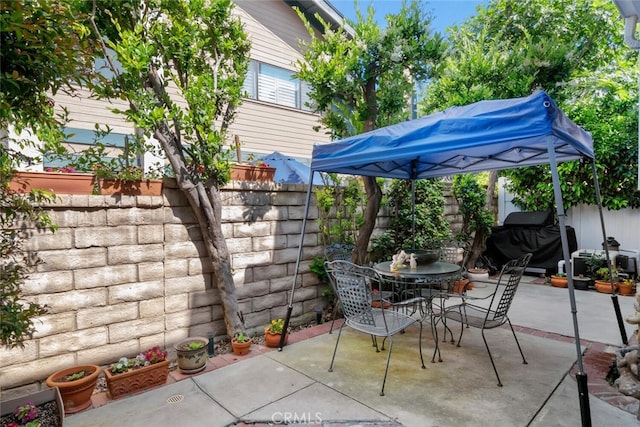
x=529 y=219
x=509 y=242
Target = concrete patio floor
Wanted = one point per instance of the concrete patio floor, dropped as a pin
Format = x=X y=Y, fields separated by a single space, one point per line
x=294 y=386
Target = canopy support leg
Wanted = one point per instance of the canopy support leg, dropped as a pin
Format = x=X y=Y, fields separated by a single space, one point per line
x=614 y=296
x=583 y=393
x=295 y=274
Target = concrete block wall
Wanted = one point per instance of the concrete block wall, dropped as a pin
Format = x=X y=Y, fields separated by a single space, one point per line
x=124 y=273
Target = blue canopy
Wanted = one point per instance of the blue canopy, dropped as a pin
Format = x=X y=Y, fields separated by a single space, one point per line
x=289 y=170
x=486 y=135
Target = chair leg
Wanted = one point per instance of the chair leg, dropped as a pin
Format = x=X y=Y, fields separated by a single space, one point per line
x=336 y=348
x=333 y=316
x=420 y=346
x=491 y=358
x=434 y=333
x=386 y=369
x=524 y=361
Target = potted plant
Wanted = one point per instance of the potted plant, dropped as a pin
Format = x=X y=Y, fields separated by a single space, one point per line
x=626 y=287
x=604 y=277
x=273 y=333
x=260 y=171
x=559 y=280
x=241 y=344
x=581 y=282
x=42 y=408
x=148 y=369
x=76 y=386
x=192 y=354
x=56 y=180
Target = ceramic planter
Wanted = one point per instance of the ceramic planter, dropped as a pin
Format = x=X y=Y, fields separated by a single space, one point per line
x=141 y=187
x=38 y=398
x=581 y=283
x=481 y=274
x=241 y=348
x=76 y=394
x=58 y=183
x=136 y=380
x=191 y=360
x=252 y=173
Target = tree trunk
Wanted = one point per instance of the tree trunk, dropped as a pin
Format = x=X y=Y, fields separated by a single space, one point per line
x=374 y=198
x=206 y=205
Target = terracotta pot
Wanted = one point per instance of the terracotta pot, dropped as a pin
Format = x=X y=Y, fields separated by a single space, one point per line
x=191 y=361
x=273 y=340
x=58 y=183
x=76 y=394
x=559 y=282
x=625 y=290
x=141 y=187
x=481 y=274
x=252 y=173
x=605 y=287
x=459 y=286
x=241 y=348
x=379 y=304
x=137 y=380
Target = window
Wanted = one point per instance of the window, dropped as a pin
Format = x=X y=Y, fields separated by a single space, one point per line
x=275 y=85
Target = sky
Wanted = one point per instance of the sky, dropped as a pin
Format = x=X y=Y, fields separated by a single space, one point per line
x=445 y=12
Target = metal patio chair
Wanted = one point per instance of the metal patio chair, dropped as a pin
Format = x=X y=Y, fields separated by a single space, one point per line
x=337 y=252
x=495 y=314
x=353 y=286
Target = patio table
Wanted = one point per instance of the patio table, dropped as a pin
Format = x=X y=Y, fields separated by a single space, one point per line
x=422 y=284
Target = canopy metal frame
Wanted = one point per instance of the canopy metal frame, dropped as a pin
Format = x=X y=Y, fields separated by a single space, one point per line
x=521 y=132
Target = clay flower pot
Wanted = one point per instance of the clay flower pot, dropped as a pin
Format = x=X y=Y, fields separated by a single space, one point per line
x=241 y=348
x=559 y=281
x=605 y=287
x=273 y=340
x=75 y=393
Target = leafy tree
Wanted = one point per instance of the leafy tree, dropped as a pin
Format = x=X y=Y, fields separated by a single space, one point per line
x=430 y=224
x=510 y=49
x=363 y=80
x=45 y=48
x=30 y=72
x=198 y=50
x=571 y=49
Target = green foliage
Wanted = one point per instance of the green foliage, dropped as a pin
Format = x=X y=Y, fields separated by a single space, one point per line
x=241 y=338
x=471 y=198
x=574 y=51
x=16 y=313
x=317 y=267
x=430 y=224
x=340 y=208
x=45 y=49
x=194 y=345
x=75 y=376
x=197 y=46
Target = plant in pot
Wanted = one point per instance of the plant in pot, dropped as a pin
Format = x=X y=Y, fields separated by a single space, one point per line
x=559 y=280
x=273 y=333
x=42 y=408
x=241 y=344
x=148 y=369
x=581 y=282
x=626 y=287
x=605 y=275
x=192 y=354
x=76 y=386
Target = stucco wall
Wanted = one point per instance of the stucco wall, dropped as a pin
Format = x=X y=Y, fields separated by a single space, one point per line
x=122 y=274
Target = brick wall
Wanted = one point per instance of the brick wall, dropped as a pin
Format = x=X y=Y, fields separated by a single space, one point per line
x=122 y=274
